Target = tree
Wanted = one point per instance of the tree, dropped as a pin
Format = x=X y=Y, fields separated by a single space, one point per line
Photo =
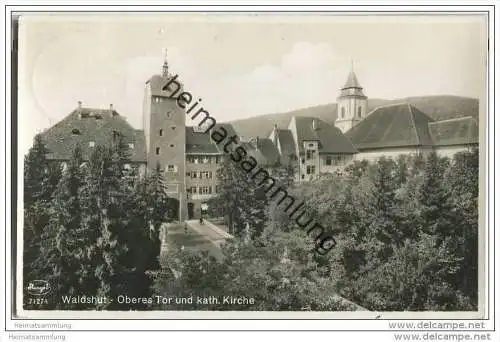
x=241 y=199
x=40 y=180
x=62 y=258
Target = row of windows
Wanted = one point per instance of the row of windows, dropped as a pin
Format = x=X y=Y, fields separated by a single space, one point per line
x=342 y=112
x=311 y=170
x=199 y=174
x=202 y=190
x=204 y=159
x=333 y=160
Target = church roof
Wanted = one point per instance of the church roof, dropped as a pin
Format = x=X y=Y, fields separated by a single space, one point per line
x=352 y=81
x=458 y=131
x=330 y=138
x=85 y=125
x=352 y=87
x=398 y=125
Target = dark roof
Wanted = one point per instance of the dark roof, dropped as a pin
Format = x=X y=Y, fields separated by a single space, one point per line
x=331 y=139
x=459 y=131
x=352 y=87
x=352 y=81
x=398 y=125
x=199 y=142
x=263 y=150
x=84 y=125
x=286 y=142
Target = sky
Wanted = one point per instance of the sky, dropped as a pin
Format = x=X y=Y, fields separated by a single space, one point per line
x=240 y=65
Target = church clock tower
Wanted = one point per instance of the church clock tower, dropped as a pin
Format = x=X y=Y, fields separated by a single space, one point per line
x=351 y=104
x=165 y=133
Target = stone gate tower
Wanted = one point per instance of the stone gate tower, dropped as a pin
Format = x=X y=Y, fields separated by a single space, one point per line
x=164 y=125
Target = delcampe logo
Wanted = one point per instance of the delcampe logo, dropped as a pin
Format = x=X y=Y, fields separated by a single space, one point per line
x=38 y=287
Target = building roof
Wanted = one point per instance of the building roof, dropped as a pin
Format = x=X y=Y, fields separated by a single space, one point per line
x=352 y=81
x=352 y=87
x=85 y=125
x=458 y=131
x=199 y=142
x=397 y=125
x=286 y=142
x=263 y=150
x=158 y=82
x=330 y=138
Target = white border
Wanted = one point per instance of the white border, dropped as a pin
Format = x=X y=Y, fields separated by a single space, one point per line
x=239 y=324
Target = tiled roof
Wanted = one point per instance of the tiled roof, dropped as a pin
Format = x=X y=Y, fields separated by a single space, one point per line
x=352 y=81
x=459 y=131
x=398 y=125
x=331 y=139
x=199 y=142
x=263 y=150
x=352 y=87
x=86 y=125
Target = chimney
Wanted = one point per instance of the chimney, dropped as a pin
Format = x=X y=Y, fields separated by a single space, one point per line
x=315 y=125
x=275 y=126
x=79 y=109
x=111 y=107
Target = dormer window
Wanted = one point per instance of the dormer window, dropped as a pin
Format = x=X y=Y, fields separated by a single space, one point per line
x=75 y=131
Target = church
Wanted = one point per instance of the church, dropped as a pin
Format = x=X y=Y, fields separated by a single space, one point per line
x=189 y=159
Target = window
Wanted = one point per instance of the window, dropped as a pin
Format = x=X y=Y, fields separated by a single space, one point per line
x=172 y=145
x=217 y=189
x=206 y=160
x=328 y=160
x=310 y=154
x=193 y=189
x=206 y=175
x=188 y=174
x=171 y=168
x=131 y=146
x=173 y=128
x=205 y=190
x=359 y=111
x=311 y=145
x=311 y=169
x=217 y=160
x=91 y=143
x=169 y=114
x=194 y=174
x=76 y=131
x=157 y=151
x=342 y=112
x=195 y=160
x=161 y=132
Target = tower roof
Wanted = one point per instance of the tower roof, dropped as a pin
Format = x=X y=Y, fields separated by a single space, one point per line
x=352 y=81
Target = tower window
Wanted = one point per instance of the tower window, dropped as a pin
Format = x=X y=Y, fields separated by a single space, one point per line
x=173 y=128
x=359 y=111
x=342 y=112
x=161 y=132
x=172 y=145
x=157 y=151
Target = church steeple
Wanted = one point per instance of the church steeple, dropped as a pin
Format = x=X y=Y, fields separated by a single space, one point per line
x=351 y=103
x=165 y=63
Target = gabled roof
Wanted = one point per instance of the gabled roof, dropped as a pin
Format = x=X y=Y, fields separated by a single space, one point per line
x=199 y=142
x=458 y=131
x=85 y=125
x=397 y=125
x=330 y=138
x=286 y=142
x=263 y=150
